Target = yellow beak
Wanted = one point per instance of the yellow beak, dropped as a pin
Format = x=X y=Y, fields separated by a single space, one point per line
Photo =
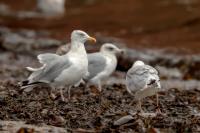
x=91 y=39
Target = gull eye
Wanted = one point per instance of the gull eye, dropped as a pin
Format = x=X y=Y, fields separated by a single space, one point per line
x=110 y=48
x=81 y=34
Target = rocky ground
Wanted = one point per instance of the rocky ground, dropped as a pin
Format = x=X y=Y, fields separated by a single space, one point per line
x=89 y=111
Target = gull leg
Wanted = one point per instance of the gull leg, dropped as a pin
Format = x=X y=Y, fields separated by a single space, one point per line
x=99 y=86
x=85 y=87
x=140 y=106
x=61 y=94
x=157 y=104
x=69 y=94
x=52 y=95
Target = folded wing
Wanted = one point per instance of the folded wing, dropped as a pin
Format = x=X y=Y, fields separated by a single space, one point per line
x=96 y=64
x=140 y=76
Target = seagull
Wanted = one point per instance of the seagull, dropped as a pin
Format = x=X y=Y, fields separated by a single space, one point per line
x=142 y=80
x=67 y=69
x=101 y=64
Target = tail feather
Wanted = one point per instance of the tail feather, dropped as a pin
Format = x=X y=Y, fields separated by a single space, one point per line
x=25 y=83
x=33 y=69
x=151 y=82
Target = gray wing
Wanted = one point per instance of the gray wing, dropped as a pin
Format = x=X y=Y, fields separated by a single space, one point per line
x=138 y=77
x=47 y=58
x=96 y=64
x=44 y=59
x=53 y=67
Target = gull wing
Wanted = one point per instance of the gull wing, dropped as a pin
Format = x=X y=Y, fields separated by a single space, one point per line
x=53 y=66
x=96 y=64
x=138 y=77
x=47 y=58
x=44 y=59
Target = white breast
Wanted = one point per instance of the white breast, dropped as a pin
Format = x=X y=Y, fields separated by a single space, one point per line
x=111 y=63
x=75 y=72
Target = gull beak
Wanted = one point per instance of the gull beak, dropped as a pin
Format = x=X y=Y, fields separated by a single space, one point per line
x=91 y=39
x=120 y=51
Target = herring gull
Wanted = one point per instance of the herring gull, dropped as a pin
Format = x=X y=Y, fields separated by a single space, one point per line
x=141 y=81
x=101 y=64
x=58 y=70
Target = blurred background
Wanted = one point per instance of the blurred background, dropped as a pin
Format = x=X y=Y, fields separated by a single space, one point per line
x=171 y=24
x=163 y=33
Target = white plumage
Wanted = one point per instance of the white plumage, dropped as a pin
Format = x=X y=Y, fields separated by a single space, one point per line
x=102 y=64
x=142 y=81
x=67 y=69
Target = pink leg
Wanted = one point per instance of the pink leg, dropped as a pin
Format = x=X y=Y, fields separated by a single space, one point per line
x=61 y=94
x=157 y=103
x=69 y=94
x=140 y=106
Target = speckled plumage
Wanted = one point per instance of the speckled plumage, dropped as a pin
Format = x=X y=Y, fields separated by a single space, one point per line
x=142 y=80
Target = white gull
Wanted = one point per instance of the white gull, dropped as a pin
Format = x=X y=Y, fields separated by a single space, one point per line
x=101 y=64
x=67 y=69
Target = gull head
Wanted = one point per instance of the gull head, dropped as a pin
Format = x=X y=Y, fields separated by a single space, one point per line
x=138 y=63
x=81 y=36
x=110 y=48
